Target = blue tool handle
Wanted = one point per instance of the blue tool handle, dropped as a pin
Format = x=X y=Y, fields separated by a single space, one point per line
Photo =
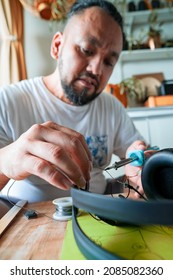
x=139 y=157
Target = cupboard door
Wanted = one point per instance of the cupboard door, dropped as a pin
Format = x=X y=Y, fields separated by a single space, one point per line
x=161 y=131
x=143 y=128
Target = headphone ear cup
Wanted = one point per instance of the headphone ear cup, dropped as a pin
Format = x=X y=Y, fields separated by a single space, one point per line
x=157 y=175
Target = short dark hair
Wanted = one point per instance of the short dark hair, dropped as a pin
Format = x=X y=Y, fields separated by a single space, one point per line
x=81 y=5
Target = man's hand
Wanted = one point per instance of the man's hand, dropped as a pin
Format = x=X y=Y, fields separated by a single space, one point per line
x=133 y=173
x=55 y=153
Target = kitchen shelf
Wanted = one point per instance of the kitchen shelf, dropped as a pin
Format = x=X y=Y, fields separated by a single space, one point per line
x=141 y=17
x=149 y=112
x=155 y=101
x=146 y=54
x=142 y=61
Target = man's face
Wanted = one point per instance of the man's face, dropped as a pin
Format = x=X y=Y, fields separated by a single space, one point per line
x=89 y=50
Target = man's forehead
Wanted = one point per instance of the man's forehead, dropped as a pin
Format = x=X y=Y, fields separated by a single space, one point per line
x=93 y=15
x=95 y=25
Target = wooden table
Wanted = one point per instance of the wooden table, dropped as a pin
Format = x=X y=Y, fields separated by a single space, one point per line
x=33 y=239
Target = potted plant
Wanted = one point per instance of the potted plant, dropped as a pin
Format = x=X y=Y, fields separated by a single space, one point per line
x=53 y=10
x=130 y=92
x=134 y=90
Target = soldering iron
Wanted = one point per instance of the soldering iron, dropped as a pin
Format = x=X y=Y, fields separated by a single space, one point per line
x=135 y=158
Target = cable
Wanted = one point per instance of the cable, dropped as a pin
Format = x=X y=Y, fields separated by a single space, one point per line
x=59 y=210
x=126 y=184
x=25 y=208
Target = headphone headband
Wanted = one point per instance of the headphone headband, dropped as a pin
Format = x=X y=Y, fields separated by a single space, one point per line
x=157 y=180
x=119 y=209
x=124 y=210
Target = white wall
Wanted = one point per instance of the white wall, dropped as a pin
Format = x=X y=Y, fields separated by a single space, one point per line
x=127 y=69
x=38 y=35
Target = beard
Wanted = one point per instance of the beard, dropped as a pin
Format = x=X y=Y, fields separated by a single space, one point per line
x=76 y=97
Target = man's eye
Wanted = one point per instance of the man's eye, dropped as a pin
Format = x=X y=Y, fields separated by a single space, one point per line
x=87 y=51
x=109 y=63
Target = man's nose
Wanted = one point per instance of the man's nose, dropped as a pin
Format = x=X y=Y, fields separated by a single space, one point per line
x=95 y=66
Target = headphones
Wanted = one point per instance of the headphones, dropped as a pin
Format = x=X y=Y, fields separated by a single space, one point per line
x=157 y=175
x=157 y=181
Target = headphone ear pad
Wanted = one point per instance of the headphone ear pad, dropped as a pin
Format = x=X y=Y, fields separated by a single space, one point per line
x=157 y=175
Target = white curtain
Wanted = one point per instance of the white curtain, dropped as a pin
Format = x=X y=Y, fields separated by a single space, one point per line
x=12 y=61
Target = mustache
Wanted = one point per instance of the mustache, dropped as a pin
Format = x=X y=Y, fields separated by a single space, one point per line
x=89 y=75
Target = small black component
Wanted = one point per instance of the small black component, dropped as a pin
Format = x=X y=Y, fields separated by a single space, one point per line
x=30 y=214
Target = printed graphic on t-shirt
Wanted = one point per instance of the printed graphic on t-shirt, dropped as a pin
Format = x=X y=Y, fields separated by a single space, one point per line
x=98 y=148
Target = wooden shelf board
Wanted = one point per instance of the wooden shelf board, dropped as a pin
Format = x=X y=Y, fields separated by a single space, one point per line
x=154 y=101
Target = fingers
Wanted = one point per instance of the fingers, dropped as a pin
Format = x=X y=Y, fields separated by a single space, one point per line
x=72 y=133
x=57 y=154
x=48 y=172
x=59 y=160
x=73 y=143
x=133 y=173
x=64 y=148
x=137 y=145
x=149 y=153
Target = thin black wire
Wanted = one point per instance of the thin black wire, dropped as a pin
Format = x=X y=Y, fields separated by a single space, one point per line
x=25 y=208
x=130 y=187
x=127 y=185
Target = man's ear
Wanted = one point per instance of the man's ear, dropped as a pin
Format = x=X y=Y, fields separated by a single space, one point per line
x=56 y=42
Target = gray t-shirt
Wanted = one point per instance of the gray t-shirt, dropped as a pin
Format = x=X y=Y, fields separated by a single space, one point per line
x=104 y=123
